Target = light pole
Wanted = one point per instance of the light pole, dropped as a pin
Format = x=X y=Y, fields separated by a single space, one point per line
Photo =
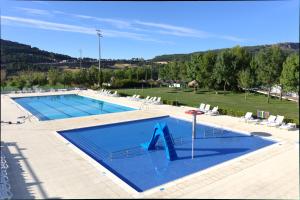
x=99 y=36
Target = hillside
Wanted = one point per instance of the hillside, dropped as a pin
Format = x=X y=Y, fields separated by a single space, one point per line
x=17 y=57
x=288 y=47
x=16 y=52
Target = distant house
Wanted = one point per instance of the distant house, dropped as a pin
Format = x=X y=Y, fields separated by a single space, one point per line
x=276 y=89
x=174 y=85
x=63 y=61
x=161 y=62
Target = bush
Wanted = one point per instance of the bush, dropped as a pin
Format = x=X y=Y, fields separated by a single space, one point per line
x=171 y=102
x=235 y=113
x=126 y=83
x=289 y=120
x=122 y=94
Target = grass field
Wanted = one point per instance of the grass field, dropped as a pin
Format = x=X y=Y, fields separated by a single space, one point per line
x=231 y=100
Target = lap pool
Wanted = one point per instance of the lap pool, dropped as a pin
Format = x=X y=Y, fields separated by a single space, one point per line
x=67 y=106
x=118 y=148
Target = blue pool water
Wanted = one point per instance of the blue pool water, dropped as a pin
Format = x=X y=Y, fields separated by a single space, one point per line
x=118 y=148
x=67 y=106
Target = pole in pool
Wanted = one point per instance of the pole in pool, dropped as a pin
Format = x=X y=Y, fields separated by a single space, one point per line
x=193 y=133
x=194 y=113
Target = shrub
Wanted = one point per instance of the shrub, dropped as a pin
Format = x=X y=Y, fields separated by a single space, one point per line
x=122 y=94
x=290 y=120
x=171 y=102
x=235 y=113
x=126 y=83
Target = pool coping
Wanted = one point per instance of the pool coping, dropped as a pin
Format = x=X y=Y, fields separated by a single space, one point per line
x=137 y=194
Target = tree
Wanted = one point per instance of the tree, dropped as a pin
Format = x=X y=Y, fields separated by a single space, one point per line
x=241 y=61
x=53 y=76
x=67 y=78
x=39 y=78
x=174 y=70
x=93 y=73
x=205 y=69
x=183 y=71
x=245 y=80
x=193 y=68
x=269 y=66
x=223 y=71
x=3 y=78
x=290 y=74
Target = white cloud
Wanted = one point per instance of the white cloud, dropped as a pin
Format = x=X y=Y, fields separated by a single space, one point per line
x=33 y=23
x=34 y=11
x=180 y=31
x=141 y=26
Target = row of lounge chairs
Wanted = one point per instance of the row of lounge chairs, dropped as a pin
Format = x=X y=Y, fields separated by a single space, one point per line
x=272 y=121
x=148 y=99
x=40 y=90
x=108 y=93
x=206 y=109
x=5 y=188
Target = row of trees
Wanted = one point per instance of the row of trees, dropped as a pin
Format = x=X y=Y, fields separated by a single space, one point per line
x=230 y=69
x=84 y=77
x=236 y=68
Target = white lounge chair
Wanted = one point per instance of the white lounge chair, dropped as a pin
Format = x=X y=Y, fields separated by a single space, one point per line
x=115 y=94
x=270 y=120
x=247 y=116
x=207 y=107
x=278 y=121
x=201 y=107
x=149 y=100
x=157 y=101
x=146 y=99
x=213 y=112
x=288 y=126
x=137 y=98
x=153 y=100
x=131 y=97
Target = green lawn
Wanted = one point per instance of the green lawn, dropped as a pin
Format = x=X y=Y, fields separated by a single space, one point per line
x=231 y=100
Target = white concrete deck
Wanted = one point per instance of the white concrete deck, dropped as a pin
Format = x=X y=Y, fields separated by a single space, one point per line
x=42 y=165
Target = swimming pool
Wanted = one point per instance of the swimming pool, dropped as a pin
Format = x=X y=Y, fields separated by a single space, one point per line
x=118 y=148
x=67 y=106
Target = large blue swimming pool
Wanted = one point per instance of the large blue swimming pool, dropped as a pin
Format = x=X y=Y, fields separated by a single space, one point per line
x=67 y=106
x=118 y=148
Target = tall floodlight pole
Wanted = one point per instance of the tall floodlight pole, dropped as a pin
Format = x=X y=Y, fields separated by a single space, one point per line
x=99 y=36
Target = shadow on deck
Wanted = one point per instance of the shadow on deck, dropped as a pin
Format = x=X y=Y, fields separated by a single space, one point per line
x=17 y=164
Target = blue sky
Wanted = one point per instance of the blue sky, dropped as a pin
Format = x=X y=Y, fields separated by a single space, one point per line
x=146 y=29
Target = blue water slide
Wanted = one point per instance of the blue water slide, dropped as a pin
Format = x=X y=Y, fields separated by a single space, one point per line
x=162 y=130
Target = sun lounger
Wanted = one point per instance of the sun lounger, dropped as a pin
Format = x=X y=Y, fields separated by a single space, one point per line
x=288 y=126
x=201 y=107
x=207 y=107
x=270 y=120
x=247 y=116
x=149 y=100
x=146 y=99
x=136 y=98
x=213 y=112
x=115 y=94
x=157 y=101
x=152 y=100
x=278 y=121
x=131 y=97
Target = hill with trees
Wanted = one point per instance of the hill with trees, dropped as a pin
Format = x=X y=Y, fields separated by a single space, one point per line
x=16 y=57
x=288 y=48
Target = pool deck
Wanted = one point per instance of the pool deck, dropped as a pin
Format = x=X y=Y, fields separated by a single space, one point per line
x=43 y=165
